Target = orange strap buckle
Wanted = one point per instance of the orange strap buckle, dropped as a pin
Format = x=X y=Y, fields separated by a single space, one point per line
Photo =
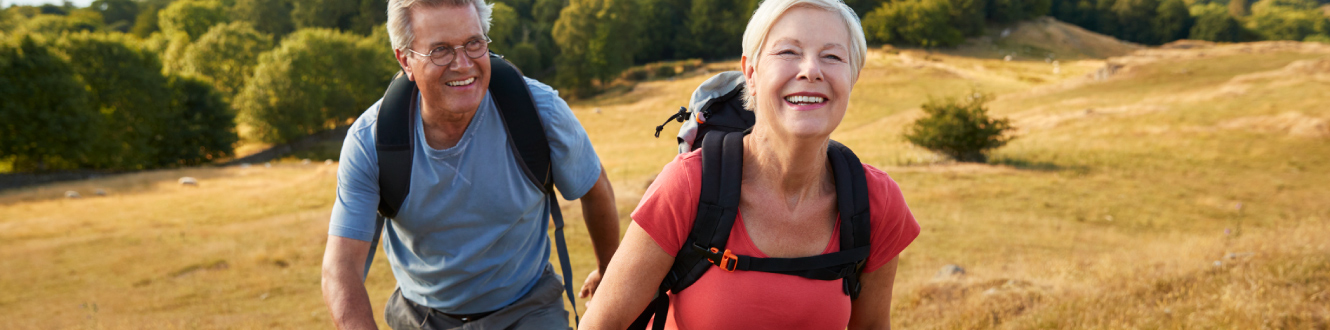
x=728 y=260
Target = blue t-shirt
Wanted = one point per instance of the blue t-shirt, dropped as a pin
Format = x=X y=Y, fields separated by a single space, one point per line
x=471 y=235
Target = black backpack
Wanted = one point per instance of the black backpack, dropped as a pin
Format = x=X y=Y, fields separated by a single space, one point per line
x=717 y=108
x=396 y=139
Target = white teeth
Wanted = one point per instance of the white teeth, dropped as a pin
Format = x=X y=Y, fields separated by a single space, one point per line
x=800 y=99
x=457 y=83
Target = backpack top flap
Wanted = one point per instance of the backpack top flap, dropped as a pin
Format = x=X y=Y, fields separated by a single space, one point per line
x=716 y=104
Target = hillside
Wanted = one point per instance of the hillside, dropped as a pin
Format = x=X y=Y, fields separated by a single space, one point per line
x=1175 y=187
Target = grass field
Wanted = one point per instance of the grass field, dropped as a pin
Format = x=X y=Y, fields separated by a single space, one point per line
x=1185 y=191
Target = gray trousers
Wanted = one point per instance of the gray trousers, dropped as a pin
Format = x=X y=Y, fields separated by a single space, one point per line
x=541 y=308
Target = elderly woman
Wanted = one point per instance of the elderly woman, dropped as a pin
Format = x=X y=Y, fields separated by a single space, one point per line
x=801 y=59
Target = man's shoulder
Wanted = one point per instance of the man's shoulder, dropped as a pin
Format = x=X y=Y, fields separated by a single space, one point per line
x=363 y=127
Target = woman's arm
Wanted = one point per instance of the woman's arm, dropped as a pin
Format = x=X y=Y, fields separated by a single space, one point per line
x=630 y=283
x=873 y=308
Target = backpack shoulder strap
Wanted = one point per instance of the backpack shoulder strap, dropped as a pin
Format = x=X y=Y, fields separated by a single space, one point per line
x=852 y=204
x=518 y=111
x=393 y=143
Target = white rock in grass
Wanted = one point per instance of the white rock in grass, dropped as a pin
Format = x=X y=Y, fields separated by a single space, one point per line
x=100 y=192
x=188 y=181
x=244 y=165
x=327 y=162
x=304 y=161
x=267 y=165
x=72 y=194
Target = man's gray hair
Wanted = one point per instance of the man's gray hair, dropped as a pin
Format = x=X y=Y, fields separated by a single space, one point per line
x=399 y=17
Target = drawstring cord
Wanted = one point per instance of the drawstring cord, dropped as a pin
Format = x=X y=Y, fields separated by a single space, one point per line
x=680 y=117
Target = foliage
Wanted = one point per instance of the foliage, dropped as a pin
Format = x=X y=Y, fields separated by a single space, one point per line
x=360 y=16
x=1288 y=19
x=268 y=16
x=715 y=28
x=503 y=28
x=132 y=96
x=146 y=21
x=201 y=125
x=1173 y=21
x=305 y=85
x=597 y=42
x=1213 y=23
x=960 y=129
x=81 y=20
x=1011 y=11
x=118 y=15
x=924 y=23
x=191 y=17
x=226 y=55
x=45 y=120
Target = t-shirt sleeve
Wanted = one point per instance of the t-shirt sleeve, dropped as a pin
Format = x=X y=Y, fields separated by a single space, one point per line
x=357 y=201
x=893 y=225
x=669 y=206
x=576 y=166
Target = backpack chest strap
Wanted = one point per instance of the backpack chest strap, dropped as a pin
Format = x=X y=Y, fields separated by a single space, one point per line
x=829 y=266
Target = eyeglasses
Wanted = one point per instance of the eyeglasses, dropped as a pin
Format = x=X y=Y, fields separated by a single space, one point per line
x=445 y=55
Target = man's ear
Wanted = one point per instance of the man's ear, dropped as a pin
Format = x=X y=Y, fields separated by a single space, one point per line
x=402 y=62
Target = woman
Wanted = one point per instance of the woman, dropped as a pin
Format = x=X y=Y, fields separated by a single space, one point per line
x=801 y=59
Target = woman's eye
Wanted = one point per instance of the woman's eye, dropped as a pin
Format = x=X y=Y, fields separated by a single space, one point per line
x=834 y=58
x=787 y=52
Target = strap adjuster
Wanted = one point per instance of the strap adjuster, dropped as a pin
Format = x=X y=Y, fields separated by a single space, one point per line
x=728 y=260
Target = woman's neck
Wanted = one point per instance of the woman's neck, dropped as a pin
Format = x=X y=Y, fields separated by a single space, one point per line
x=795 y=168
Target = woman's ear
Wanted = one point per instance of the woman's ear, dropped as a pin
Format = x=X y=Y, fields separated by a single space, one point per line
x=748 y=74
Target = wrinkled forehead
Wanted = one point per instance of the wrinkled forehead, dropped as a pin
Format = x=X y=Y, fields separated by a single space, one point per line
x=445 y=24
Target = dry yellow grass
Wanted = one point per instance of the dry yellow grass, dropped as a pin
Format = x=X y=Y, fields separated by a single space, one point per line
x=1117 y=207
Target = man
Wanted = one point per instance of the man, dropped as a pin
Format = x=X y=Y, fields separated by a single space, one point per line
x=469 y=244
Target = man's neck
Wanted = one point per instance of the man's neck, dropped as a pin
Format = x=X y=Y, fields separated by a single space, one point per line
x=443 y=129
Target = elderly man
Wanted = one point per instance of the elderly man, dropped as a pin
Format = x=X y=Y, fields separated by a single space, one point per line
x=468 y=242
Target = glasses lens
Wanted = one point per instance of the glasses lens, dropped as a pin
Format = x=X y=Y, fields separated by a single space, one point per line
x=442 y=56
x=476 y=48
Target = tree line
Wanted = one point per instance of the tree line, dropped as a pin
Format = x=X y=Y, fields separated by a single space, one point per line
x=128 y=84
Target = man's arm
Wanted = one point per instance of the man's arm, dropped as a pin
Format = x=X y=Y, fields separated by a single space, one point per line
x=602 y=222
x=344 y=283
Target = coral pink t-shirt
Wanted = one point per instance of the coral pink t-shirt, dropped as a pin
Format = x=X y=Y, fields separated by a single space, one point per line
x=759 y=300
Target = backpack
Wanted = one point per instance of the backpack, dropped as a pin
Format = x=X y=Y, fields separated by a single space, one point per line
x=718 y=118
x=396 y=139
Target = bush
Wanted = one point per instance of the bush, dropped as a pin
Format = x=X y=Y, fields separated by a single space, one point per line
x=226 y=55
x=960 y=129
x=1214 y=23
x=191 y=17
x=924 y=23
x=45 y=120
x=315 y=80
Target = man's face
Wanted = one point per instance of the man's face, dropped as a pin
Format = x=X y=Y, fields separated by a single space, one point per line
x=459 y=87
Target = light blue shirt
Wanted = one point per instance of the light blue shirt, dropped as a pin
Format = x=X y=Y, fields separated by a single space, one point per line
x=471 y=235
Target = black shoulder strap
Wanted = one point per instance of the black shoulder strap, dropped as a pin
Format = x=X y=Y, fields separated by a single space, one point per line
x=517 y=109
x=852 y=203
x=393 y=145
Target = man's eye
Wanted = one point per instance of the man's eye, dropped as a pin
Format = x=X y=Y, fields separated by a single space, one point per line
x=440 y=51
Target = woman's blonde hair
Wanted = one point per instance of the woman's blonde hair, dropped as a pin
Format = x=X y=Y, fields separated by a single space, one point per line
x=755 y=35
x=399 y=17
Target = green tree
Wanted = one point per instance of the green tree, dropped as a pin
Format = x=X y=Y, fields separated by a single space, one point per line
x=597 y=41
x=1238 y=8
x=716 y=27
x=305 y=85
x=56 y=24
x=117 y=14
x=1213 y=23
x=664 y=35
x=335 y=14
x=126 y=85
x=1173 y=21
x=968 y=16
x=1287 y=19
x=201 y=127
x=226 y=55
x=45 y=120
x=146 y=21
x=504 y=28
x=191 y=17
x=924 y=23
x=268 y=16
x=372 y=14
x=960 y=129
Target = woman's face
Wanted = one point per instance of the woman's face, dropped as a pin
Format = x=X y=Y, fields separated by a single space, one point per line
x=803 y=78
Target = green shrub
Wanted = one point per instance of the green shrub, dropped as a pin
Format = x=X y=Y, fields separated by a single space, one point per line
x=959 y=128
x=924 y=23
x=45 y=118
x=226 y=55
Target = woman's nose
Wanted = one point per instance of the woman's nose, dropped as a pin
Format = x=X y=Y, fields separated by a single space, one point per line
x=810 y=69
